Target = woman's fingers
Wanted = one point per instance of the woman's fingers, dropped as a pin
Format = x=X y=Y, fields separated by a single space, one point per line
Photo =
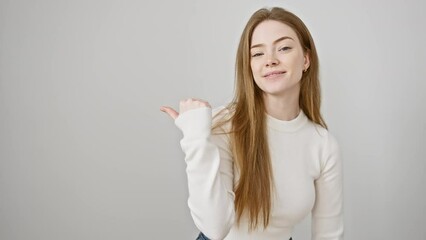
x=192 y=103
x=170 y=111
x=185 y=105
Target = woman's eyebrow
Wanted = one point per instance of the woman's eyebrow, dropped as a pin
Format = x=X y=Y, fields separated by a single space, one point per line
x=279 y=39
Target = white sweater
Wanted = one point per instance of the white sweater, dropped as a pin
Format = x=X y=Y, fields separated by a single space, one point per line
x=307 y=172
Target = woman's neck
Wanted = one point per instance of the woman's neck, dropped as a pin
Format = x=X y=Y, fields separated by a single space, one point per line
x=284 y=107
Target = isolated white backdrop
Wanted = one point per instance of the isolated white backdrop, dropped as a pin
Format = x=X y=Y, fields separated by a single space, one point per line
x=85 y=152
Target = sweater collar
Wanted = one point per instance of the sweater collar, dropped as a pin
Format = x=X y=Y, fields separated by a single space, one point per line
x=287 y=126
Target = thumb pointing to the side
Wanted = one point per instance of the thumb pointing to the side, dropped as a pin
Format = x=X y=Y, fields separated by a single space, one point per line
x=170 y=111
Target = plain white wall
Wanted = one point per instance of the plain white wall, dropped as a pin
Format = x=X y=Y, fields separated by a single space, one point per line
x=85 y=152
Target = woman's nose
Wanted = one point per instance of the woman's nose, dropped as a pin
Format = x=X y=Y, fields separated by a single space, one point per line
x=271 y=60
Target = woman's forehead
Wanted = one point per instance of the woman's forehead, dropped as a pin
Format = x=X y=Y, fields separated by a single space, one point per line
x=268 y=31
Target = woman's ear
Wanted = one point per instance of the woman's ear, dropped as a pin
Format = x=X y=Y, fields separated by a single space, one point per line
x=307 y=61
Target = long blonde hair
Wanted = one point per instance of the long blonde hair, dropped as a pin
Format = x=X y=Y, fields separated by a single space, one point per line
x=248 y=135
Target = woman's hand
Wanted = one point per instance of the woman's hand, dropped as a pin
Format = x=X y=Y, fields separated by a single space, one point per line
x=185 y=105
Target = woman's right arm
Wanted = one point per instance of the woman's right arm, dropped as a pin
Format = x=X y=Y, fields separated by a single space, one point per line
x=209 y=171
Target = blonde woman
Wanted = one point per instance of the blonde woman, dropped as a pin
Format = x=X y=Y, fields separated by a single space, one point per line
x=260 y=165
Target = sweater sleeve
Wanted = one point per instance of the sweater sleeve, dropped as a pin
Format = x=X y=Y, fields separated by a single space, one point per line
x=210 y=173
x=327 y=213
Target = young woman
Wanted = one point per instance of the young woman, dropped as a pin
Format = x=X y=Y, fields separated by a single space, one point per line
x=267 y=160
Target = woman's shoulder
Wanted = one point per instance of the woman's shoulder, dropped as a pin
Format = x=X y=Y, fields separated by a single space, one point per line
x=322 y=133
x=325 y=136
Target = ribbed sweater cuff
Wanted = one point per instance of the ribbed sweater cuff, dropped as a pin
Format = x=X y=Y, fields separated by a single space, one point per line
x=195 y=123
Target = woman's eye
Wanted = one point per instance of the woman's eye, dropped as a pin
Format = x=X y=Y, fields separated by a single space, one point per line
x=285 y=48
x=256 y=54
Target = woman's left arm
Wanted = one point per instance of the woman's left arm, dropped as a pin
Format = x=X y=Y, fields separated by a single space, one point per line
x=327 y=213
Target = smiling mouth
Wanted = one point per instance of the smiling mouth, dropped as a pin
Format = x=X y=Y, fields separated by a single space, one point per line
x=274 y=74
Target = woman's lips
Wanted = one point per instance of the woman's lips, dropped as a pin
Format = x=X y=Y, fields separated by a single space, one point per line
x=273 y=74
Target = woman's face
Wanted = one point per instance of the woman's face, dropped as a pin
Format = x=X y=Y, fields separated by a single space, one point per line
x=277 y=58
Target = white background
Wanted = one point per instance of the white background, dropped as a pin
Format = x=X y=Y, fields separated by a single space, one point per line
x=85 y=152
